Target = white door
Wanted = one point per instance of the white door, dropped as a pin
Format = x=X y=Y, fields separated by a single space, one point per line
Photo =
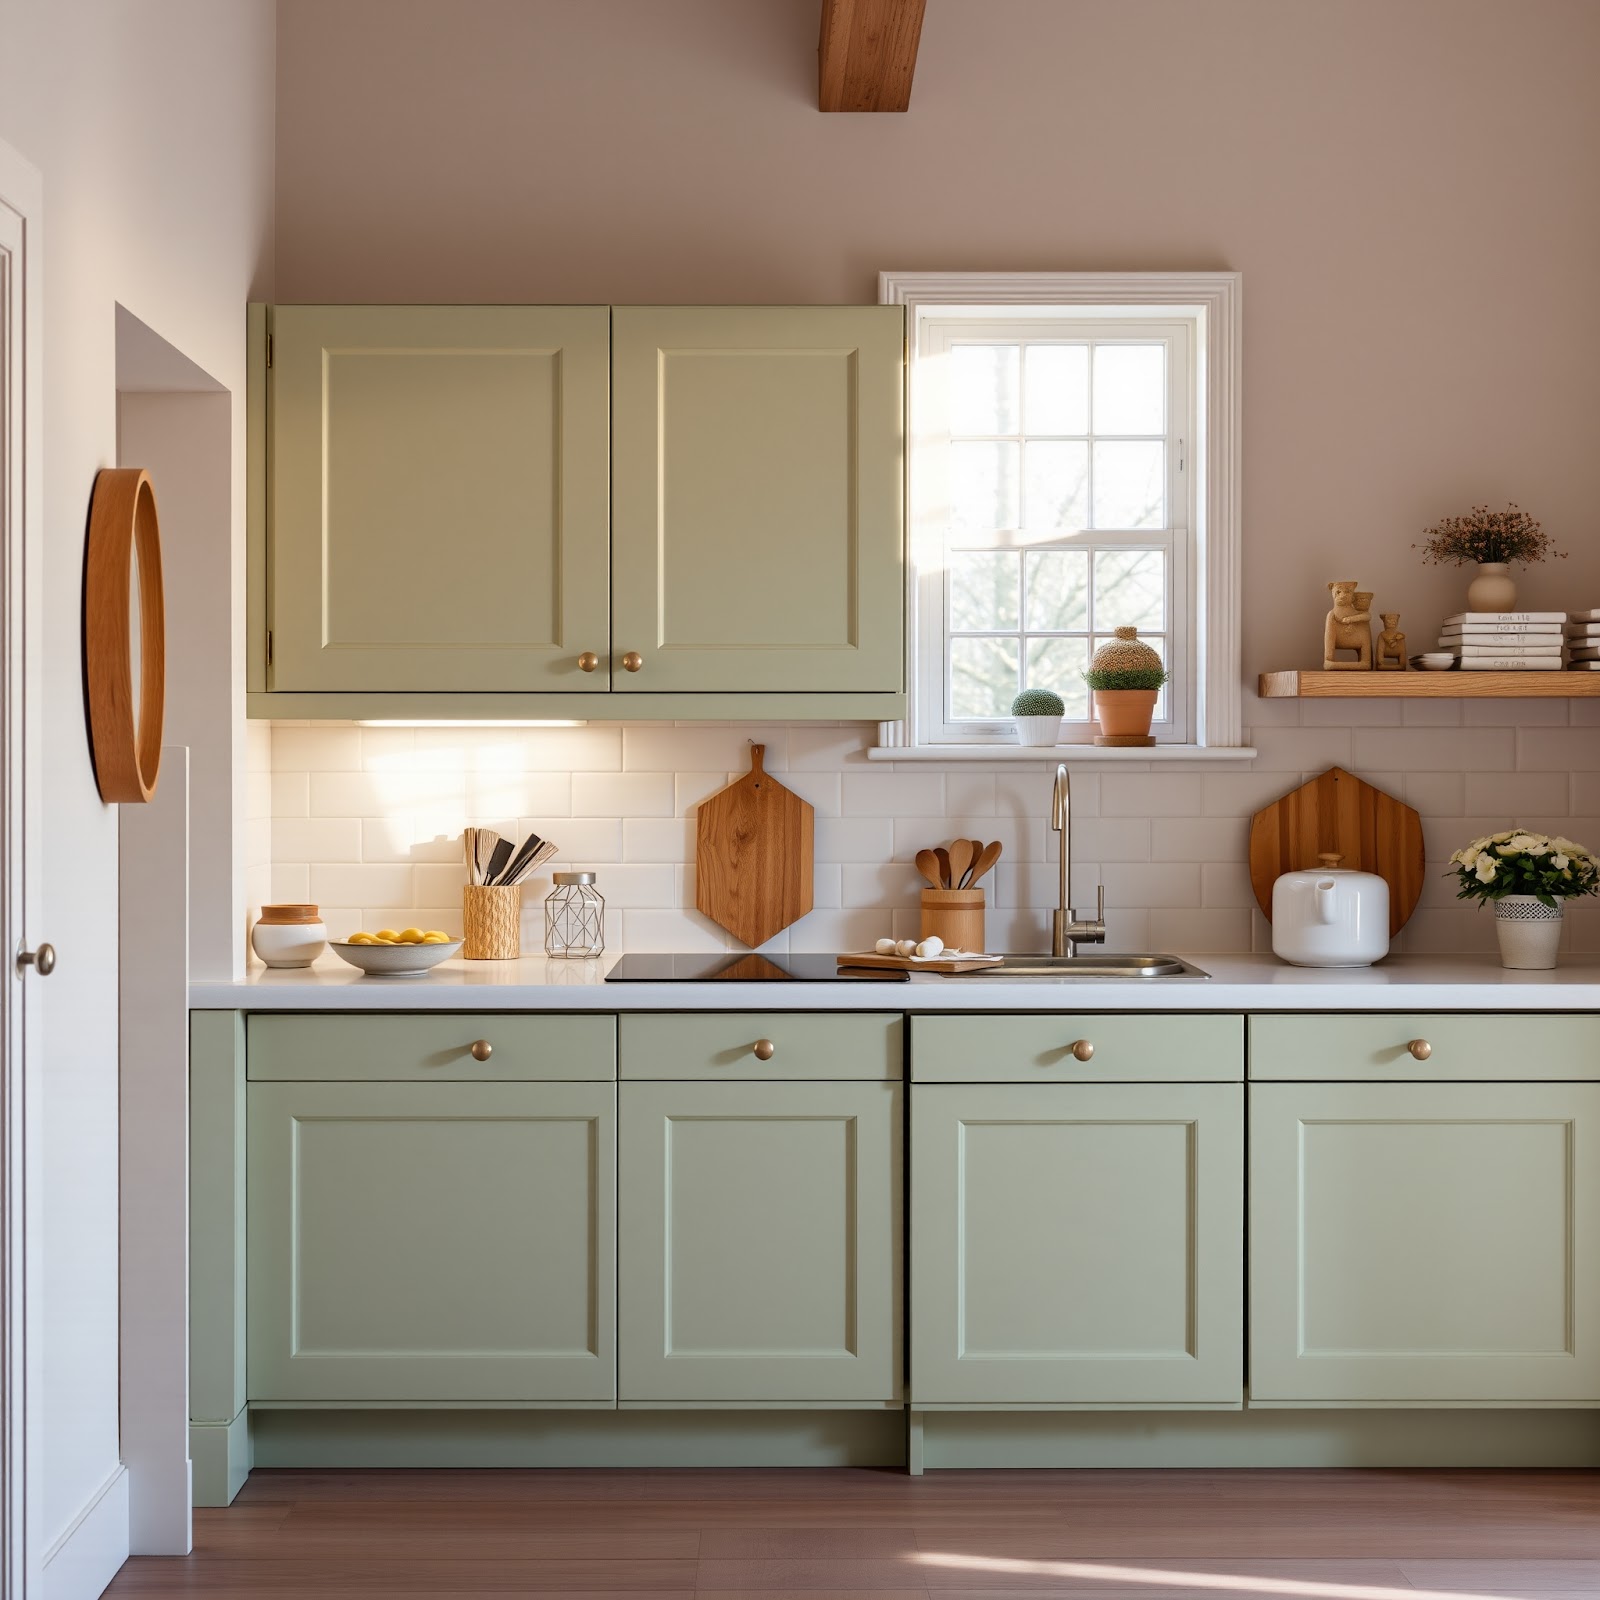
x=23 y=959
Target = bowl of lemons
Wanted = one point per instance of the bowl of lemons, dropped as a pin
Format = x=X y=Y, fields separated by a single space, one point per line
x=387 y=954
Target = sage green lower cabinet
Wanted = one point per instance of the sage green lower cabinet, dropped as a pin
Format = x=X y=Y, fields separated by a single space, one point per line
x=414 y=1242
x=1425 y=1243
x=760 y=1243
x=1077 y=1245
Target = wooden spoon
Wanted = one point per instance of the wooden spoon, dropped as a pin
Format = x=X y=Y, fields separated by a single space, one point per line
x=961 y=853
x=928 y=866
x=986 y=859
x=943 y=857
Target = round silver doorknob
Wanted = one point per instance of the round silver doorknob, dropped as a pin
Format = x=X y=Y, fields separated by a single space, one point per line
x=481 y=1049
x=633 y=661
x=765 y=1049
x=1082 y=1049
x=1420 y=1048
x=42 y=960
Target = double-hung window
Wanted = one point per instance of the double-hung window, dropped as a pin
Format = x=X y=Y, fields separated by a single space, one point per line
x=1058 y=491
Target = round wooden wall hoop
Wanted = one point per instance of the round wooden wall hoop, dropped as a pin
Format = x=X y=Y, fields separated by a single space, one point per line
x=126 y=740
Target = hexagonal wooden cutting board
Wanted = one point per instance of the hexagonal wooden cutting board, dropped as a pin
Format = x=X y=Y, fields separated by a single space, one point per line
x=753 y=855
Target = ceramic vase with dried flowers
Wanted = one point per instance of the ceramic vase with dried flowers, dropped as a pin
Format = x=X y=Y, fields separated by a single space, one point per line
x=1527 y=878
x=1491 y=540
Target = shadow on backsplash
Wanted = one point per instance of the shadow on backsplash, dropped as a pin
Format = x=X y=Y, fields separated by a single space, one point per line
x=366 y=822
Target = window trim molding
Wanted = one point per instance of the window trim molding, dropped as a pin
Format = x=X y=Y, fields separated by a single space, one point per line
x=1219 y=703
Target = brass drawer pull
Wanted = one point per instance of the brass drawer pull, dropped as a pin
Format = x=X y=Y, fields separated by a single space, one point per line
x=588 y=661
x=765 y=1049
x=633 y=661
x=1082 y=1049
x=481 y=1049
x=1420 y=1048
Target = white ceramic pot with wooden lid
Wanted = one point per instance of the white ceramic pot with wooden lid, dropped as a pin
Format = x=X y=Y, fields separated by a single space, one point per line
x=1330 y=917
x=289 y=935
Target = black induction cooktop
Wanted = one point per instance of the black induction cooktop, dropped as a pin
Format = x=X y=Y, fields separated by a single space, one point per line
x=748 y=967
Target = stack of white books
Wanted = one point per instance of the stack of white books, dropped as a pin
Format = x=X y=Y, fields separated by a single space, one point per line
x=1506 y=641
x=1583 y=641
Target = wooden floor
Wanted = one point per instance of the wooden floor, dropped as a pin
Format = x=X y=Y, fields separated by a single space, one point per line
x=956 y=1536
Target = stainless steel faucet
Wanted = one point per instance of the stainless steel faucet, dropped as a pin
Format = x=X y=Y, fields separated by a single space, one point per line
x=1066 y=931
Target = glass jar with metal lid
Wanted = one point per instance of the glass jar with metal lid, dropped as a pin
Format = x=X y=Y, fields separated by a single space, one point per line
x=574 y=917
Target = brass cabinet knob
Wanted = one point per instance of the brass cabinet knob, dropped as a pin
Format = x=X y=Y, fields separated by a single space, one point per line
x=1081 y=1048
x=481 y=1049
x=765 y=1049
x=1420 y=1048
x=42 y=960
x=633 y=661
x=588 y=661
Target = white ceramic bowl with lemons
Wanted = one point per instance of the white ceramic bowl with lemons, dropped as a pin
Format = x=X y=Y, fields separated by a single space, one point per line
x=390 y=954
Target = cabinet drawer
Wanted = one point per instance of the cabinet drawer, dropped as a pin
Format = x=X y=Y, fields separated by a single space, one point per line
x=1038 y=1049
x=433 y=1047
x=1345 y=1048
x=804 y=1045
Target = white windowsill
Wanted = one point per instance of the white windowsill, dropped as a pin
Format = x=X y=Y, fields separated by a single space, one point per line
x=1160 y=754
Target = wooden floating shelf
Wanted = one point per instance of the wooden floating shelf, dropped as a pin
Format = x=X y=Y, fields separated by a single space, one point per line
x=1414 y=685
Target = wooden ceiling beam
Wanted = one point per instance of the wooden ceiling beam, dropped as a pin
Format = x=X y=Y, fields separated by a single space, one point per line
x=868 y=54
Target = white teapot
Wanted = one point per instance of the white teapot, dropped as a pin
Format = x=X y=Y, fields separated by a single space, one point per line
x=1330 y=917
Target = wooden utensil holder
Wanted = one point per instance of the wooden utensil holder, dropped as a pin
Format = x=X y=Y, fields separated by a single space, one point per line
x=956 y=915
x=491 y=922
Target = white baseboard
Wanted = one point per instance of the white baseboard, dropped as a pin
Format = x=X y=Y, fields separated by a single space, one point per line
x=80 y=1564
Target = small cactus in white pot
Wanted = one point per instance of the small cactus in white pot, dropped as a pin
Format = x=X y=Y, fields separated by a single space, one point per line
x=1038 y=714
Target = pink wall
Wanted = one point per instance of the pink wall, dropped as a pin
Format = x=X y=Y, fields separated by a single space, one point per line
x=1408 y=187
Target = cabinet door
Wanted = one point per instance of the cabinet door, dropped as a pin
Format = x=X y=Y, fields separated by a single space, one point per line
x=423 y=1242
x=1424 y=1243
x=757 y=467
x=439 y=499
x=1077 y=1245
x=760 y=1242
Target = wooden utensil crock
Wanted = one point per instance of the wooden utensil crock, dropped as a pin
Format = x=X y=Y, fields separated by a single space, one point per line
x=956 y=915
x=491 y=922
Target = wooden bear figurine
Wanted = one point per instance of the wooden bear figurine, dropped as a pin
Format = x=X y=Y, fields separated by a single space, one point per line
x=1349 y=627
x=1392 y=645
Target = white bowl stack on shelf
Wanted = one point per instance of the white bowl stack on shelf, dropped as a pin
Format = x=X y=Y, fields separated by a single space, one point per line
x=1505 y=641
x=1583 y=641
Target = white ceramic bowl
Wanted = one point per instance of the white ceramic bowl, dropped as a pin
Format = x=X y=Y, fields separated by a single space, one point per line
x=395 y=960
x=1434 y=661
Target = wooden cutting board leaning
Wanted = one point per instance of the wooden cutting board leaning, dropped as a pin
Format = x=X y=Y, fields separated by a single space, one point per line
x=1338 y=814
x=753 y=855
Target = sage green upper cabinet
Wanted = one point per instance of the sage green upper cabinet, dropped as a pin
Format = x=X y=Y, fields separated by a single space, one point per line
x=757 y=485
x=432 y=1242
x=1424 y=1243
x=1077 y=1245
x=759 y=1243
x=438 y=509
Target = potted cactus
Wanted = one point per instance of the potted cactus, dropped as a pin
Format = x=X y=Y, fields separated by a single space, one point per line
x=1038 y=713
x=1125 y=676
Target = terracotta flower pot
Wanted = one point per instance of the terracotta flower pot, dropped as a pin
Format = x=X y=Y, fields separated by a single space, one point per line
x=1125 y=713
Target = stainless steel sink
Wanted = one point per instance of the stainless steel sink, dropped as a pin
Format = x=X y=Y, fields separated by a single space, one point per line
x=1099 y=965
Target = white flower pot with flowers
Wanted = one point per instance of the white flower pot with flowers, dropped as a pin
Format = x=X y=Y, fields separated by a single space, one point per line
x=1528 y=878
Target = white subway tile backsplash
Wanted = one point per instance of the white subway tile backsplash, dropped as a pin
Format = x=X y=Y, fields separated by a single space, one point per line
x=1430 y=713
x=367 y=821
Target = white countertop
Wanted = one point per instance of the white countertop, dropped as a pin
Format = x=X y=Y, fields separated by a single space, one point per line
x=1237 y=983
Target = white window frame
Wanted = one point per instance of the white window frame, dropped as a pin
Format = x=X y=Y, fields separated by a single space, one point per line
x=1212 y=301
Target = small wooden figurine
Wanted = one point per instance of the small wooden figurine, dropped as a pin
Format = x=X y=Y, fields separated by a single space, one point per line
x=1349 y=627
x=1391 y=645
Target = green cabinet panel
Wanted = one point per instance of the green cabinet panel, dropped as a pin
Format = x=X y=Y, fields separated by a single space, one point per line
x=436 y=1047
x=421 y=1242
x=439 y=498
x=757 y=489
x=723 y=1045
x=1459 y=1047
x=759 y=1247
x=1152 y=1048
x=1077 y=1245
x=1424 y=1243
